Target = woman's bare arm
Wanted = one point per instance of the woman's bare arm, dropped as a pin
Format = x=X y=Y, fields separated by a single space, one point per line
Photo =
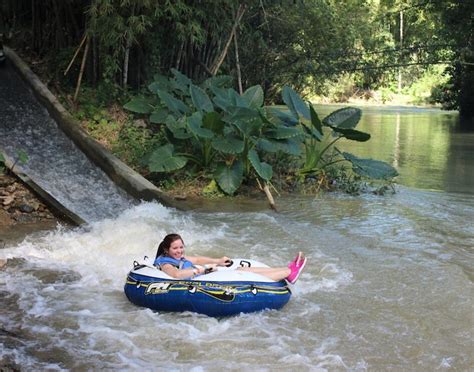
x=176 y=273
x=203 y=260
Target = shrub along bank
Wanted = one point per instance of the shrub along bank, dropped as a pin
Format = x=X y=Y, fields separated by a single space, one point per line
x=212 y=132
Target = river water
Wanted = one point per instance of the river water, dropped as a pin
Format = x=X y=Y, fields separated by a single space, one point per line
x=388 y=285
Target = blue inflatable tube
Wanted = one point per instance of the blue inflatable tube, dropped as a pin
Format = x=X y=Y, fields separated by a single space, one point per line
x=223 y=293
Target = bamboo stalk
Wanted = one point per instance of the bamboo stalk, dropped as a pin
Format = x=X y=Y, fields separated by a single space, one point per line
x=83 y=64
x=221 y=57
x=237 y=64
x=75 y=54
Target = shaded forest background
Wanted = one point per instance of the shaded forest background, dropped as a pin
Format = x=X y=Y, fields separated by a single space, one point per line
x=319 y=47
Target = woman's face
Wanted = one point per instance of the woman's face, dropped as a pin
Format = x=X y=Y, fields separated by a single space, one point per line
x=176 y=249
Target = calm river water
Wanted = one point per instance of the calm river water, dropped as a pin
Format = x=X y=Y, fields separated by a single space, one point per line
x=388 y=285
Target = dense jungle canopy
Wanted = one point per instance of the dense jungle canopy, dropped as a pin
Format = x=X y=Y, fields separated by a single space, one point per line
x=318 y=47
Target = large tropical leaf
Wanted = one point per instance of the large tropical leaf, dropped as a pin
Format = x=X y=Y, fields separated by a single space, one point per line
x=173 y=104
x=163 y=160
x=212 y=120
x=200 y=99
x=178 y=127
x=229 y=178
x=316 y=122
x=221 y=98
x=181 y=82
x=160 y=82
x=159 y=115
x=295 y=103
x=241 y=114
x=236 y=98
x=254 y=96
x=228 y=145
x=140 y=105
x=288 y=146
x=311 y=131
x=352 y=134
x=370 y=168
x=264 y=170
x=283 y=132
x=347 y=117
x=220 y=81
x=249 y=127
x=195 y=126
x=285 y=117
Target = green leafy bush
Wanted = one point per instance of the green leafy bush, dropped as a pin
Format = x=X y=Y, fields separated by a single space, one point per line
x=233 y=137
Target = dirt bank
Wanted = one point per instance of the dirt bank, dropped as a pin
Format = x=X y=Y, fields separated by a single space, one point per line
x=21 y=211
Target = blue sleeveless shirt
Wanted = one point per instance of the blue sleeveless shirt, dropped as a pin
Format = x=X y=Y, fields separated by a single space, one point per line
x=182 y=263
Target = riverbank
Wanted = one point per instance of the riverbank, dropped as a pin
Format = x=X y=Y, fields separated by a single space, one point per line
x=22 y=211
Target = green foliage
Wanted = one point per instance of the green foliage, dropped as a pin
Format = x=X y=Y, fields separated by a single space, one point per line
x=21 y=157
x=370 y=168
x=233 y=138
x=163 y=159
x=2 y=163
x=217 y=129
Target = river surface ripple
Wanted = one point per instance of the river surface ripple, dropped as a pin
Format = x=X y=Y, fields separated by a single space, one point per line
x=388 y=286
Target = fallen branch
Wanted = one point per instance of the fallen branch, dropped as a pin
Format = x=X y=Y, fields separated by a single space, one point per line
x=268 y=194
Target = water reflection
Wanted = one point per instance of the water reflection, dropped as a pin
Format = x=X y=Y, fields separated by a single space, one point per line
x=426 y=146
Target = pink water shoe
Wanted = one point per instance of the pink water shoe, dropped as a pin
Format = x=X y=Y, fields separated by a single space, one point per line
x=296 y=266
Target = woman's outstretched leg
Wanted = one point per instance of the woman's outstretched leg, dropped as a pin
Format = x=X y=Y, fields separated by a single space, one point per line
x=290 y=273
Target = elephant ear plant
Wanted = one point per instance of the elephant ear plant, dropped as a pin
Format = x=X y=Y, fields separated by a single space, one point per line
x=213 y=130
x=321 y=136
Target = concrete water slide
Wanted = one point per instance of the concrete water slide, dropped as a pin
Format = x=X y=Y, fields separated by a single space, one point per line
x=72 y=172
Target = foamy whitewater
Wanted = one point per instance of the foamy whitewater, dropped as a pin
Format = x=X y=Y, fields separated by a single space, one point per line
x=361 y=303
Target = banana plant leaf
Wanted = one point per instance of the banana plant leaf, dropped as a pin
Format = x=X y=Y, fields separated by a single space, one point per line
x=264 y=170
x=370 y=168
x=229 y=178
x=295 y=103
x=347 y=117
x=200 y=99
x=163 y=159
